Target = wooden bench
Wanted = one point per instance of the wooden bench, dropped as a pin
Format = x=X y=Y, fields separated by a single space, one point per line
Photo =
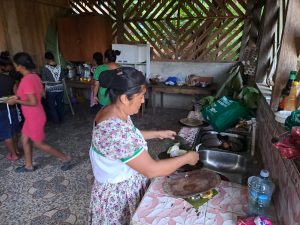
x=185 y=90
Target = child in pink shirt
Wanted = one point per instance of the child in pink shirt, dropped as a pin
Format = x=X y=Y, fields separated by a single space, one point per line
x=29 y=95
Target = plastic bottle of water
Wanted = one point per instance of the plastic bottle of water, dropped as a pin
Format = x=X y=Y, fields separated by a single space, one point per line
x=253 y=190
x=259 y=194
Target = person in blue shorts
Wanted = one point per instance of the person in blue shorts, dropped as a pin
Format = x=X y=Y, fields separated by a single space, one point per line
x=9 y=118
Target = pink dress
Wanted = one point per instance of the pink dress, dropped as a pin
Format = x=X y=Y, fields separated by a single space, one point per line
x=35 y=117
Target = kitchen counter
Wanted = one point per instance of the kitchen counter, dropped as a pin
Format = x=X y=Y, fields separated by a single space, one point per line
x=76 y=83
x=157 y=207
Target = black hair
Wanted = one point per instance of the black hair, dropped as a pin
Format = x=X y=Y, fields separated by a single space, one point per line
x=123 y=80
x=111 y=55
x=24 y=59
x=5 y=59
x=98 y=57
x=49 y=55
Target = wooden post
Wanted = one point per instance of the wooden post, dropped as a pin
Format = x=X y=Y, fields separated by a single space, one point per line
x=120 y=22
x=266 y=39
x=256 y=20
x=251 y=24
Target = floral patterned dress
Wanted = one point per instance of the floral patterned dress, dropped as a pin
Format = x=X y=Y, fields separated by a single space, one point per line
x=118 y=188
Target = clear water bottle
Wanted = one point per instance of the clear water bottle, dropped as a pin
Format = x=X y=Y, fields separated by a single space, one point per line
x=87 y=71
x=253 y=190
x=259 y=194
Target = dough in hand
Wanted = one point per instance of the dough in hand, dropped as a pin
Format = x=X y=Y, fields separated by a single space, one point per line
x=175 y=150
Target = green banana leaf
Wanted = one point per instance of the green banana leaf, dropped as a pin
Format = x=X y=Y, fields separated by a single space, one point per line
x=51 y=44
x=249 y=97
x=206 y=101
x=233 y=83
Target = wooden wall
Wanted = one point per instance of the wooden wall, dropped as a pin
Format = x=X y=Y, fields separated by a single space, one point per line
x=289 y=51
x=284 y=172
x=24 y=23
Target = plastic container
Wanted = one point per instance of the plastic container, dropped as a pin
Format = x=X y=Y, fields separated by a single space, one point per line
x=260 y=189
x=291 y=101
x=197 y=108
x=286 y=91
x=87 y=70
x=281 y=116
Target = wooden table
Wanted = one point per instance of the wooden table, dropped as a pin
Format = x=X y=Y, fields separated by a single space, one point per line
x=74 y=83
x=158 y=207
x=75 y=87
x=185 y=90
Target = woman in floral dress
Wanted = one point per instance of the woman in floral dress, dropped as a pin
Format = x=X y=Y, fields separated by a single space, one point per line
x=118 y=153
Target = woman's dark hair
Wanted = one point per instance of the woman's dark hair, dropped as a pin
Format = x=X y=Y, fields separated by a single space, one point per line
x=24 y=59
x=111 y=55
x=124 y=80
x=98 y=57
x=49 y=55
x=5 y=59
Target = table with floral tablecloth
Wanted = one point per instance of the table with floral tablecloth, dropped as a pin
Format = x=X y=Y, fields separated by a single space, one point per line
x=158 y=208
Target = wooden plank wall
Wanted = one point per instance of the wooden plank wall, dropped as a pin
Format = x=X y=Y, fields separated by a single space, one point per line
x=289 y=51
x=24 y=23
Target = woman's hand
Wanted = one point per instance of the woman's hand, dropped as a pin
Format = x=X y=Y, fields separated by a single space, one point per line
x=30 y=101
x=95 y=98
x=12 y=100
x=166 y=134
x=193 y=157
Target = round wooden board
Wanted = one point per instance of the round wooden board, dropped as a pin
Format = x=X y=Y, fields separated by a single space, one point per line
x=191 y=122
x=191 y=183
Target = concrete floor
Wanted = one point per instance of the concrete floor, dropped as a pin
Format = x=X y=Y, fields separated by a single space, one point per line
x=51 y=196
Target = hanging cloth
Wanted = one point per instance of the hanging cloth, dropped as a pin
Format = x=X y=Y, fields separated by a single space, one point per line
x=8 y=114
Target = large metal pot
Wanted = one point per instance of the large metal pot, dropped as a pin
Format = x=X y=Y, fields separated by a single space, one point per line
x=71 y=73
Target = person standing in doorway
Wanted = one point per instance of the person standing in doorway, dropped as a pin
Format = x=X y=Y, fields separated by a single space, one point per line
x=52 y=75
x=97 y=63
x=110 y=57
x=29 y=95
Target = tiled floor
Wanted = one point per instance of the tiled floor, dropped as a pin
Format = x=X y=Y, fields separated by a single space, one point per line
x=51 y=196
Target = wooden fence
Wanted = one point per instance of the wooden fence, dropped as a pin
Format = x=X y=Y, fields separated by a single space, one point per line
x=198 y=30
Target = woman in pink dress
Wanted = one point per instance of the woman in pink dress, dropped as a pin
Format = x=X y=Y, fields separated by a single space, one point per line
x=29 y=95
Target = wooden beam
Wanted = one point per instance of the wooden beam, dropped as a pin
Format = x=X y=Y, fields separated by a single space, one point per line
x=246 y=30
x=57 y=3
x=256 y=19
x=266 y=39
x=119 y=21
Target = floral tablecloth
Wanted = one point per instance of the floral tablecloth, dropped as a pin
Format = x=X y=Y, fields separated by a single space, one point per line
x=157 y=208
